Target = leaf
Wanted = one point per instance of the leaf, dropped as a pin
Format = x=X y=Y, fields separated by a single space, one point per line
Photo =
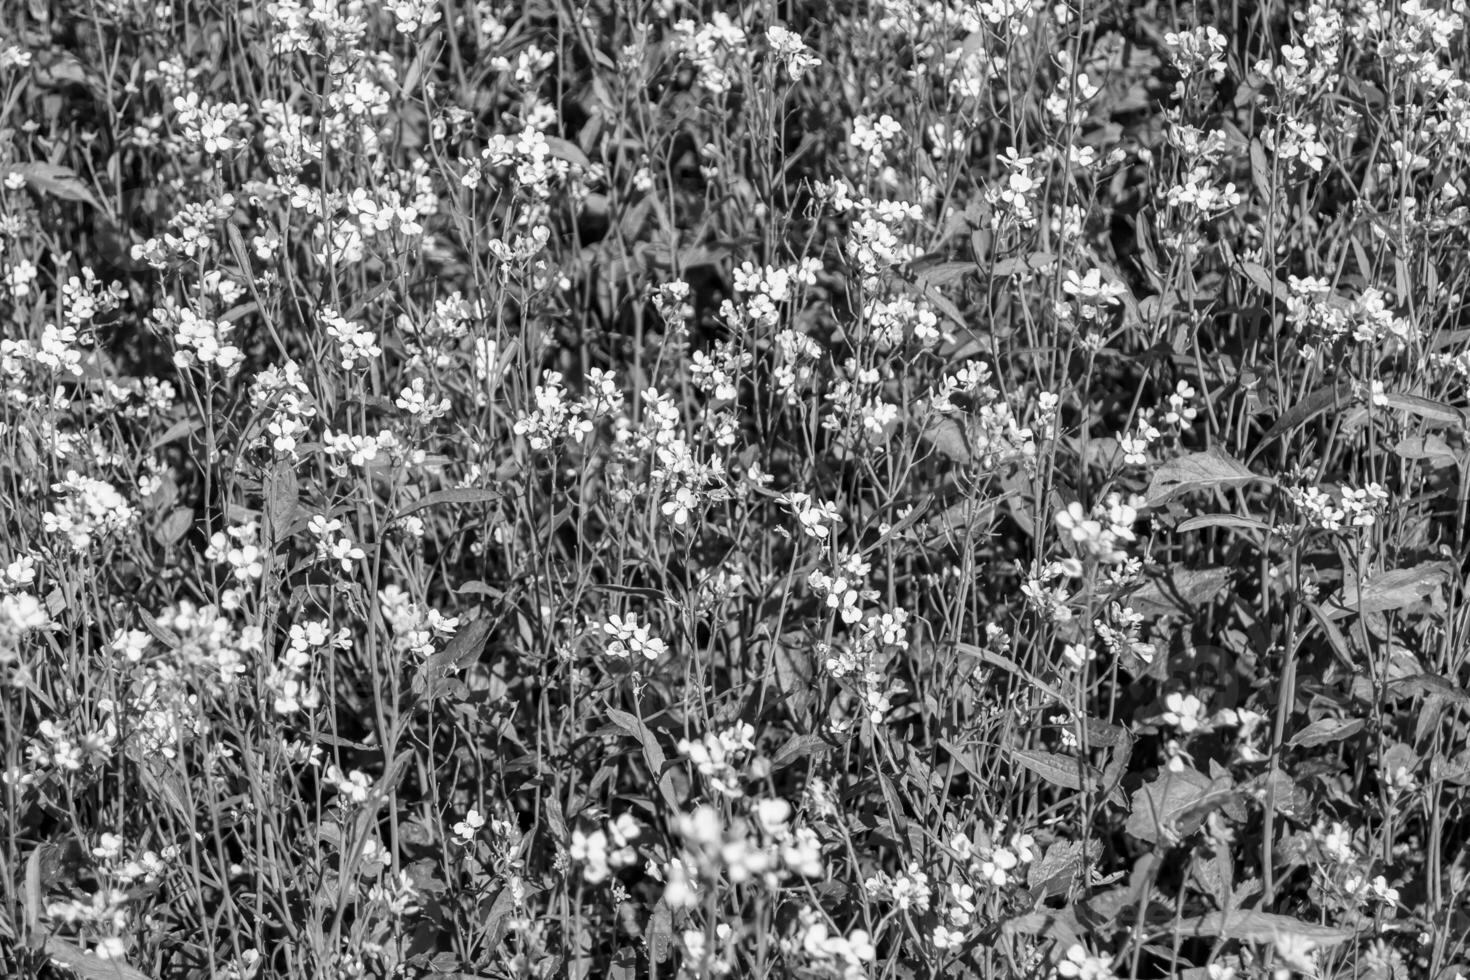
x=660 y=933
x=1181 y=590
x=1262 y=927
x=1335 y=638
x=967 y=759
x=1056 y=870
x=1396 y=589
x=1430 y=448
x=798 y=747
x=454 y=495
x=1223 y=520
x=32 y=903
x=1007 y=664
x=173 y=527
x=566 y=150
x=653 y=753
x=477 y=587
x=795 y=670
x=1260 y=170
x=1427 y=408
x=1060 y=925
x=179 y=430
x=1314 y=404
x=55 y=180
x=462 y=649
x=1325 y=730
x=1174 y=805
x=88 y=967
x=942 y=273
x=282 y=500
x=943 y=304
x=1107 y=734
x=624 y=965
x=1262 y=279
x=1208 y=470
x=953 y=526
x=948 y=436
x=1059 y=770
x=1428 y=686
x=1023 y=265
x=165 y=636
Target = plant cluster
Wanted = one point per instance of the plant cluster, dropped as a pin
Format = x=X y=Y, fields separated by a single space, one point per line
x=596 y=488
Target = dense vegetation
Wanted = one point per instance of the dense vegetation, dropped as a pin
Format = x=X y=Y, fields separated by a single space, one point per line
x=845 y=489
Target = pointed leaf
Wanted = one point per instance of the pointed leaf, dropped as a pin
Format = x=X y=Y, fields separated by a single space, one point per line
x=1325 y=730
x=1057 y=769
x=462 y=649
x=1314 y=404
x=1223 y=520
x=798 y=747
x=1174 y=805
x=454 y=495
x=1396 y=589
x=653 y=753
x=1426 y=408
x=1431 y=448
x=55 y=180
x=1262 y=927
x=89 y=967
x=1208 y=470
x=1181 y=590
x=948 y=436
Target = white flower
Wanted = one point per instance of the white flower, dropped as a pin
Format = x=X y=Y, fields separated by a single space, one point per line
x=1184 y=712
x=466 y=829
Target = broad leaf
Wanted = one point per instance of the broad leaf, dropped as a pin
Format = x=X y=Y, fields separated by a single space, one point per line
x=1431 y=449
x=54 y=180
x=1175 y=805
x=1057 y=769
x=1182 y=590
x=1209 y=470
x=462 y=650
x=1325 y=730
x=1396 y=589
x=89 y=967
x=1426 y=408
x=948 y=436
x=653 y=753
x=1055 y=871
x=1308 y=408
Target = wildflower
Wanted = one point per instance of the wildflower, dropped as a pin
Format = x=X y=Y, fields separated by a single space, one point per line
x=353 y=787
x=828 y=952
x=88 y=509
x=717 y=756
x=1092 y=294
x=795 y=55
x=631 y=638
x=1183 y=712
x=466 y=829
x=873 y=137
x=1079 y=963
x=1101 y=533
x=1181 y=411
x=816 y=517
x=1200 y=50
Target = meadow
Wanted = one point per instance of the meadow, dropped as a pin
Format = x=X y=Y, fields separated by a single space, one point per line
x=644 y=488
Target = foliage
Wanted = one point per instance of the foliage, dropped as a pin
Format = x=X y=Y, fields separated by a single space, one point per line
x=834 y=489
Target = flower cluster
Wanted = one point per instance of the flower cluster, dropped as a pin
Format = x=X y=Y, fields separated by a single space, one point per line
x=1351 y=506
